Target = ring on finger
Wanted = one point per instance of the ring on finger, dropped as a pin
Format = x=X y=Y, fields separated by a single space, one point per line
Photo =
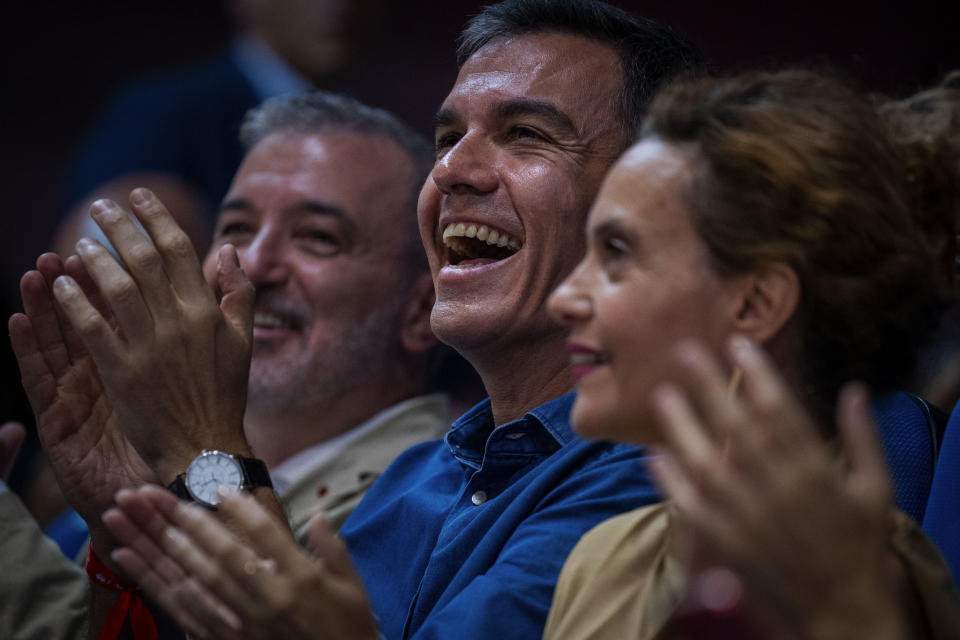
x=254 y=565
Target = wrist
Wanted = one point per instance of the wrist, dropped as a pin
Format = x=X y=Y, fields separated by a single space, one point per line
x=175 y=461
x=104 y=573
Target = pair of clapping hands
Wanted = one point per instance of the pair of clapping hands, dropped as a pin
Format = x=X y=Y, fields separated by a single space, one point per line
x=131 y=370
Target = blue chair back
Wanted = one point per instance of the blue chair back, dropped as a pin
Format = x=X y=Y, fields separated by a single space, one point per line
x=941 y=522
x=910 y=431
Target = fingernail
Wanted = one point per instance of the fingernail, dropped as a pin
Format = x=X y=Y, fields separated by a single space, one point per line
x=224 y=492
x=664 y=396
x=189 y=510
x=84 y=245
x=64 y=284
x=688 y=351
x=140 y=196
x=99 y=206
x=740 y=343
x=175 y=536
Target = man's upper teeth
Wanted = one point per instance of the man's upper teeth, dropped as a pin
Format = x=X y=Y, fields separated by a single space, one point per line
x=269 y=320
x=492 y=237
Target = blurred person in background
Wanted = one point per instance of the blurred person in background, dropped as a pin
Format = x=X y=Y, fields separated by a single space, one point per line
x=928 y=124
x=176 y=132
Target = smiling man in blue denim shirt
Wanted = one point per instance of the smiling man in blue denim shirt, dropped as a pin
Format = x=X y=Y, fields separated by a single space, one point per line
x=465 y=537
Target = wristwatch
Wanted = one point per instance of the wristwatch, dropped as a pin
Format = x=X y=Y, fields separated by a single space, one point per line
x=213 y=469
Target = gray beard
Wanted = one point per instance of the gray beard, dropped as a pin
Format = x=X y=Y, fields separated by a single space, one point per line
x=361 y=358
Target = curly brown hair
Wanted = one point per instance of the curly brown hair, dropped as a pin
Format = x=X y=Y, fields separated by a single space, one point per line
x=799 y=169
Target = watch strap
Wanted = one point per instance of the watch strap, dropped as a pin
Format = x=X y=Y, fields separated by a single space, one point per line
x=179 y=488
x=255 y=473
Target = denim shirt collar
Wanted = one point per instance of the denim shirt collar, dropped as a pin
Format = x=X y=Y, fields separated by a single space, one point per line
x=540 y=432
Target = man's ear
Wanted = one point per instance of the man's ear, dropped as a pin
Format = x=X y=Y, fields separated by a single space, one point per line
x=416 y=336
x=768 y=299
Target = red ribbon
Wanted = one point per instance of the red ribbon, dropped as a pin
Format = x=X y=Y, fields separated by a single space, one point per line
x=128 y=602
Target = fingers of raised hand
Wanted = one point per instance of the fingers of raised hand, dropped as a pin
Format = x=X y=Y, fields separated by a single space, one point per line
x=683 y=430
x=35 y=374
x=45 y=323
x=230 y=569
x=140 y=527
x=137 y=253
x=173 y=246
x=116 y=286
x=265 y=535
x=175 y=596
x=206 y=611
x=771 y=403
x=709 y=522
x=708 y=389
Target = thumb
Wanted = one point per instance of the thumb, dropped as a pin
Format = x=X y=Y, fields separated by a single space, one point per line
x=238 y=292
x=12 y=435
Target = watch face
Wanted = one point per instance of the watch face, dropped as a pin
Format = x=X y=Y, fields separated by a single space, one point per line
x=208 y=472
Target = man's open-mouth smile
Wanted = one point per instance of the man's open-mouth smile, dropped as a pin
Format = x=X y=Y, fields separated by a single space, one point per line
x=274 y=323
x=470 y=244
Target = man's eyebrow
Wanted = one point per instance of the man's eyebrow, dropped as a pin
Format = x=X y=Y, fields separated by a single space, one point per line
x=518 y=107
x=236 y=204
x=316 y=207
x=540 y=109
x=444 y=117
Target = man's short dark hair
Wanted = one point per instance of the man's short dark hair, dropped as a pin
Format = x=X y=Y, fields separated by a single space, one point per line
x=651 y=54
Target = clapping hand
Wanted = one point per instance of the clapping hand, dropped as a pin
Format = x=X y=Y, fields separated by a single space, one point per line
x=251 y=580
x=174 y=362
x=76 y=423
x=760 y=490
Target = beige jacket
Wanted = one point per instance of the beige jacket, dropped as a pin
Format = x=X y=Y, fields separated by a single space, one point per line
x=336 y=486
x=623 y=580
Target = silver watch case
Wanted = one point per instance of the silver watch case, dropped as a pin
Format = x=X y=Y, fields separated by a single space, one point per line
x=210 y=471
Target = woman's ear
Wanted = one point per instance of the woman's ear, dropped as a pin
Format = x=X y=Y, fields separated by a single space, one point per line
x=416 y=336
x=768 y=299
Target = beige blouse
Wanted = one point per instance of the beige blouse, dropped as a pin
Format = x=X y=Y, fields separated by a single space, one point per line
x=622 y=581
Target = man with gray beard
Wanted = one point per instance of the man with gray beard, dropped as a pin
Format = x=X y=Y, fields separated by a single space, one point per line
x=341 y=341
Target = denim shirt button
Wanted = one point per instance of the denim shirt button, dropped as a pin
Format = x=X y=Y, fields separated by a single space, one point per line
x=514 y=436
x=478 y=498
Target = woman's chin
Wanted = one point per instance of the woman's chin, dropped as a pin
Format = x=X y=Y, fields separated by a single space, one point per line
x=592 y=424
x=599 y=423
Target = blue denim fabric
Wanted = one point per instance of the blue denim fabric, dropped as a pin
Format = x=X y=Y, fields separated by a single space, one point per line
x=465 y=538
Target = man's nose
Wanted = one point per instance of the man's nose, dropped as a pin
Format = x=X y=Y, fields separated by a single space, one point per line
x=265 y=259
x=469 y=167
